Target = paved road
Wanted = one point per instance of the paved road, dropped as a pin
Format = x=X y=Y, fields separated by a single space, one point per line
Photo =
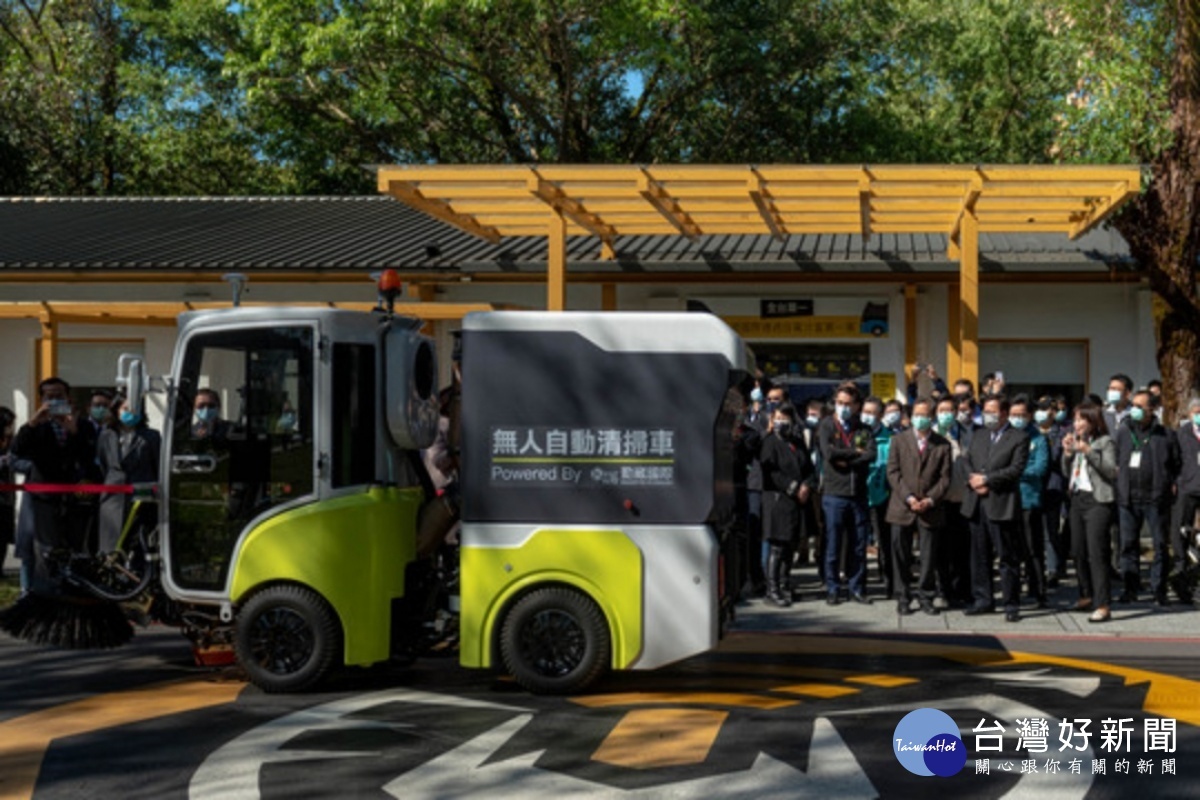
x=775 y=712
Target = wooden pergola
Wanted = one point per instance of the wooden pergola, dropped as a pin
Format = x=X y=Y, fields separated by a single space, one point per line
x=610 y=201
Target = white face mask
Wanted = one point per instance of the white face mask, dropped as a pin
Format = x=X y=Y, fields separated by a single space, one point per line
x=843 y=412
x=991 y=421
x=891 y=419
x=1114 y=396
x=868 y=419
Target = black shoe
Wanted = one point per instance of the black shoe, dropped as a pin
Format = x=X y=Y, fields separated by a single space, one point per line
x=1012 y=616
x=777 y=599
x=1040 y=603
x=929 y=608
x=1127 y=597
x=859 y=597
x=833 y=598
x=976 y=610
x=903 y=608
x=1161 y=601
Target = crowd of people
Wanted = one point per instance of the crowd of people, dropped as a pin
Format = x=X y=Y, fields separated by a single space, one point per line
x=107 y=443
x=955 y=491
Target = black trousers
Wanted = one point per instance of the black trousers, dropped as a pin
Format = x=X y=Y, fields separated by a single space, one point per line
x=1092 y=547
x=989 y=539
x=1033 y=555
x=883 y=543
x=902 y=558
x=954 y=557
x=1057 y=534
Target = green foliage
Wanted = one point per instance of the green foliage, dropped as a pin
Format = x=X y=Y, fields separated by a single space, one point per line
x=264 y=96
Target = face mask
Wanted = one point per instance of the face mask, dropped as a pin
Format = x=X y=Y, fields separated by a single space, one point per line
x=1041 y=416
x=991 y=421
x=964 y=417
x=922 y=422
x=772 y=405
x=1060 y=416
x=99 y=413
x=843 y=412
x=1113 y=396
x=783 y=428
x=1137 y=414
x=867 y=419
x=206 y=414
x=812 y=420
x=1196 y=420
x=59 y=408
x=1018 y=422
x=945 y=419
x=129 y=419
x=891 y=419
x=756 y=395
x=287 y=420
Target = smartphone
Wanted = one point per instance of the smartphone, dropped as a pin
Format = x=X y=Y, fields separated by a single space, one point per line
x=999 y=376
x=60 y=408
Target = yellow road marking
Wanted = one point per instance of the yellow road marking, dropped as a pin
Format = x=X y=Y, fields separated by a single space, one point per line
x=23 y=740
x=822 y=690
x=684 y=698
x=661 y=737
x=886 y=681
x=1166 y=695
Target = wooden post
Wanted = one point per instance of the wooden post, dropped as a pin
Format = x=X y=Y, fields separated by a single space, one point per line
x=954 y=334
x=608 y=297
x=969 y=298
x=556 y=262
x=48 y=347
x=910 y=329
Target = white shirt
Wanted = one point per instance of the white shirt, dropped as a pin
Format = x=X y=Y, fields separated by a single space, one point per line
x=1081 y=478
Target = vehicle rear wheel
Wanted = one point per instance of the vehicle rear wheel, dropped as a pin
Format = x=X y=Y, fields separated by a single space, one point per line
x=555 y=641
x=287 y=638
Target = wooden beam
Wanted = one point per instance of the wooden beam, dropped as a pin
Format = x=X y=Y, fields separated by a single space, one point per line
x=969 y=298
x=910 y=329
x=864 y=205
x=440 y=209
x=954 y=331
x=568 y=207
x=1121 y=192
x=666 y=205
x=756 y=188
x=556 y=262
x=608 y=297
x=48 y=345
x=967 y=206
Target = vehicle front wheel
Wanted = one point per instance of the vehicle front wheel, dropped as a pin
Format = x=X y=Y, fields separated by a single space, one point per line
x=555 y=641
x=287 y=638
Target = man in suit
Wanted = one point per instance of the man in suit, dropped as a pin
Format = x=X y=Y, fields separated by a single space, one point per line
x=57 y=451
x=847 y=452
x=918 y=471
x=994 y=463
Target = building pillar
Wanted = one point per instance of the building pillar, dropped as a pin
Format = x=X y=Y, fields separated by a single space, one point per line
x=556 y=262
x=969 y=298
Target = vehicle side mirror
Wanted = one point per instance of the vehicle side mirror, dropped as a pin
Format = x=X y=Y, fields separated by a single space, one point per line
x=133 y=380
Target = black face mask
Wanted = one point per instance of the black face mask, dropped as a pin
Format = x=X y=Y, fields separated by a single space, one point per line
x=784 y=429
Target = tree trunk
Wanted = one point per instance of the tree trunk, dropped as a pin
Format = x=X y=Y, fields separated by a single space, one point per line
x=1163 y=225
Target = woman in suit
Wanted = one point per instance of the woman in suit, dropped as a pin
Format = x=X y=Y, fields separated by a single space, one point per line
x=789 y=481
x=127 y=452
x=1090 y=464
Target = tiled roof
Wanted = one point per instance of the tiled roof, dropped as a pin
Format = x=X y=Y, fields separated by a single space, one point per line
x=371 y=233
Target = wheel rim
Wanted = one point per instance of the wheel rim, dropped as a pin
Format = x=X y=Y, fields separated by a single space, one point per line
x=281 y=641
x=553 y=643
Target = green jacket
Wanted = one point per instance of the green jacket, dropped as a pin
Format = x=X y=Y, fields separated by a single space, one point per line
x=877 y=482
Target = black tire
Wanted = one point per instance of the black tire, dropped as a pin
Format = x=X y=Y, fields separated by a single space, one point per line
x=287 y=638
x=555 y=641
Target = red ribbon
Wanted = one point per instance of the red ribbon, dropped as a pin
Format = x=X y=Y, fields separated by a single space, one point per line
x=68 y=488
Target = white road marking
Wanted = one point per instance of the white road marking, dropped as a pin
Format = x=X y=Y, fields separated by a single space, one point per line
x=232 y=771
x=1080 y=686
x=464 y=773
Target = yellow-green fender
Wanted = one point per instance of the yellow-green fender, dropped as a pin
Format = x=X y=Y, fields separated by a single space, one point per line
x=351 y=550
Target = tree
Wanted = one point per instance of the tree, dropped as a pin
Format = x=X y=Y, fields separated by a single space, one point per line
x=1137 y=97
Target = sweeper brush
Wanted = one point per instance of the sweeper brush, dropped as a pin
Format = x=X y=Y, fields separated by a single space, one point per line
x=75 y=623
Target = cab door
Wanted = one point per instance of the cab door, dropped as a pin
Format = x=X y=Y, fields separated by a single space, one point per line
x=255 y=459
